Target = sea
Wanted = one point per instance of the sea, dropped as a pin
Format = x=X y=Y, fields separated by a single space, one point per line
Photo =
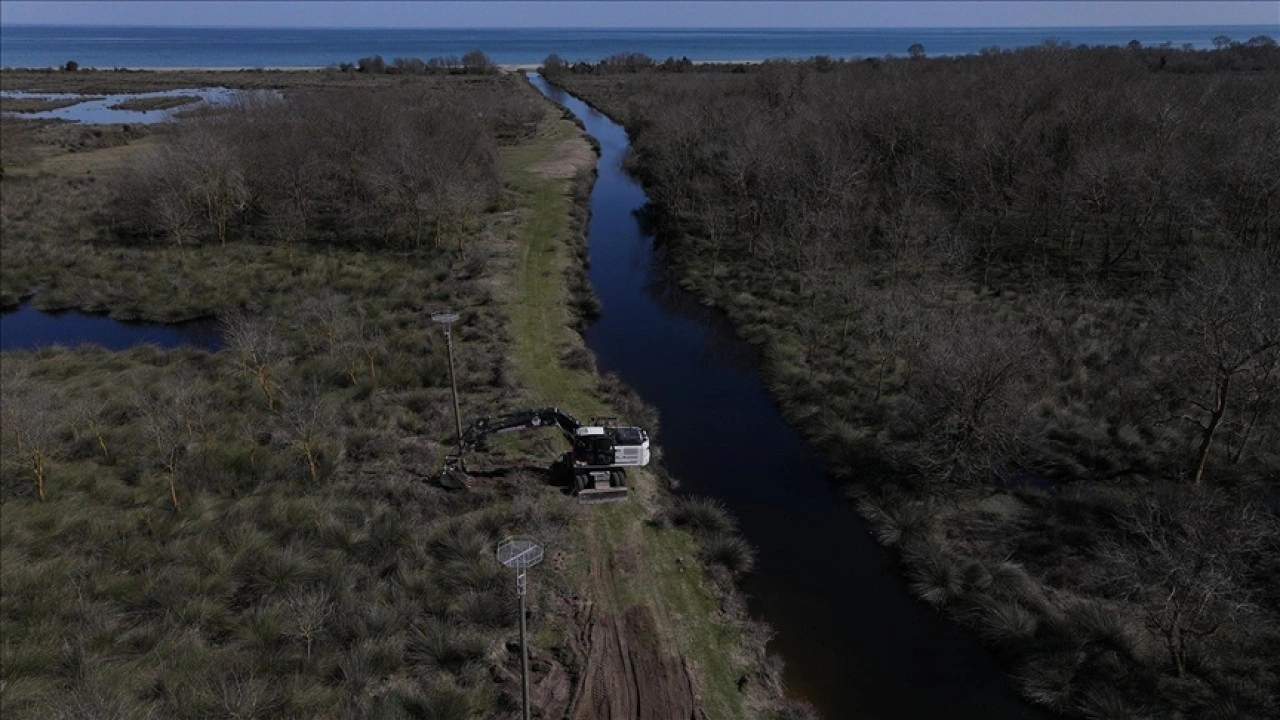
x=168 y=47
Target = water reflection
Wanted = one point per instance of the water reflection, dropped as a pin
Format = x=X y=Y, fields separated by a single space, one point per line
x=99 y=110
x=26 y=328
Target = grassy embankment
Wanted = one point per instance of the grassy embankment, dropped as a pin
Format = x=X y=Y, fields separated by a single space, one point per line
x=664 y=575
x=216 y=540
x=1002 y=335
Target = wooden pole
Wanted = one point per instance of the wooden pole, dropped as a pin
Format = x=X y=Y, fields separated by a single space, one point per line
x=524 y=662
x=453 y=383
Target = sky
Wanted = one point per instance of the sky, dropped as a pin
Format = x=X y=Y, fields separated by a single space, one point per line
x=697 y=13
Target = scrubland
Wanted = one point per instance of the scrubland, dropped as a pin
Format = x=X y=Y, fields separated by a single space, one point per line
x=256 y=532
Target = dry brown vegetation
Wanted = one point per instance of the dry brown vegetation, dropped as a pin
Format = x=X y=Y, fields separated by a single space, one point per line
x=35 y=105
x=1028 y=304
x=361 y=168
x=190 y=534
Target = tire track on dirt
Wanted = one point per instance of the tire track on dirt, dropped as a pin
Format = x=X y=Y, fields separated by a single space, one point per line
x=626 y=675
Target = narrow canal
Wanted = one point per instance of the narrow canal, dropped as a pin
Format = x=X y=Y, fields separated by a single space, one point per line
x=855 y=642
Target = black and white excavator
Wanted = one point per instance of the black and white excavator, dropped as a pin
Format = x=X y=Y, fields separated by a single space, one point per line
x=598 y=459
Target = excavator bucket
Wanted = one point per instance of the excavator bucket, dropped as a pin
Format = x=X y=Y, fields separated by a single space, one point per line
x=453 y=477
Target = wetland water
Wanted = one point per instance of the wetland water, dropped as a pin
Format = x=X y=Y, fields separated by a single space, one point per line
x=99 y=109
x=855 y=642
x=26 y=328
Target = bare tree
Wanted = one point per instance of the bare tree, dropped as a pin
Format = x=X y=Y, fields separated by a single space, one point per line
x=476 y=61
x=216 y=181
x=160 y=188
x=1222 y=325
x=257 y=350
x=308 y=420
x=172 y=418
x=968 y=394
x=310 y=610
x=90 y=411
x=33 y=416
x=1183 y=561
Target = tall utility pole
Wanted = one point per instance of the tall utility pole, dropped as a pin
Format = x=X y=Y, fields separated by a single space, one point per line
x=447 y=320
x=521 y=554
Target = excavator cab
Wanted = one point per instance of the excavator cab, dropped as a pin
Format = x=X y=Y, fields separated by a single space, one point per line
x=592 y=448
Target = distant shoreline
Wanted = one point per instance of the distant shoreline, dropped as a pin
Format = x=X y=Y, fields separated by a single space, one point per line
x=502 y=67
x=639 y=29
x=300 y=49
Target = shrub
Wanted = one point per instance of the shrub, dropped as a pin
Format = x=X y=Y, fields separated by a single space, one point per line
x=703 y=515
x=1007 y=621
x=1048 y=679
x=730 y=552
x=475 y=61
x=937 y=576
x=439 y=645
x=896 y=520
x=442 y=703
x=578 y=357
x=490 y=608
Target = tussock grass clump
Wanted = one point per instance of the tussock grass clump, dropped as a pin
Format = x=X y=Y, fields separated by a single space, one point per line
x=706 y=516
x=578 y=357
x=442 y=702
x=487 y=609
x=1007 y=622
x=937 y=574
x=897 y=520
x=1106 y=704
x=730 y=552
x=1049 y=680
x=439 y=645
x=1103 y=625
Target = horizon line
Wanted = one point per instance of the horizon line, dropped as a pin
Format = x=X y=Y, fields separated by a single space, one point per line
x=651 y=28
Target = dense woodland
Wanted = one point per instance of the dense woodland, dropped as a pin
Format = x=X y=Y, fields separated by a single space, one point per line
x=1029 y=305
x=375 y=168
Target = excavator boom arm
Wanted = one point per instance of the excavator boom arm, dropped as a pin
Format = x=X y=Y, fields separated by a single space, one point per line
x=524 y=419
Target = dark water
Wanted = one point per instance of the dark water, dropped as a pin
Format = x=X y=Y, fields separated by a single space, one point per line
x=856 y=644
x=109 y=47
x=27 y=328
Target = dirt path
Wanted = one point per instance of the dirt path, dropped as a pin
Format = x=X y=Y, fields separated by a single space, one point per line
x=630 y=671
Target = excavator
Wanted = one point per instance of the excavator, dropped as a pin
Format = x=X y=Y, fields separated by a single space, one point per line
x=598 y=459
